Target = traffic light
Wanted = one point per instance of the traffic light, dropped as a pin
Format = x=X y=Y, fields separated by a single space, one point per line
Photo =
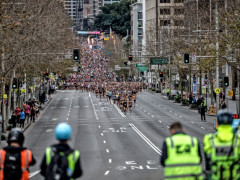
x=15 y=83
x=76 y=53
x=226 y=81
x=125 y=63
x=130 y=57
x=186 y=58
x=161 y=74
x=79 y=69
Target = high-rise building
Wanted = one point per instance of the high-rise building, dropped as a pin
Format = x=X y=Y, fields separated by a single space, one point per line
x=105 y=2
x=75 y=11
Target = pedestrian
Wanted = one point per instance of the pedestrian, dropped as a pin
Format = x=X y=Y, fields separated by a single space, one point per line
x=60 y=160
x=17 y=112
x=22 y=118
x=13 y=119
x=222 y=149
x=26 y=107
x=199 y=101
x=33 y=113
x=181 y=155
x=223 y=106
x=203 y=107
x=168 y=91
x=15 y=159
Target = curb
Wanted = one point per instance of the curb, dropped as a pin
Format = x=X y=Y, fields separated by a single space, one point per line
x=4 y=142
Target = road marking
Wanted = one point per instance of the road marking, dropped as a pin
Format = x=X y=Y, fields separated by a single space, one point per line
x=101 y=134
x=53 y=107
x=120 y=112
x=104 y=142
x=54 y=119
x=99 y=126
x=160 y=121
x=63 y=107
x=168 y=127
x=34 y=173
x=76 y=106
x=110 y=160
x=94 y=110
x=67 y=119
x=155 y=148
x=112 y=118
x=107 y=150
x=152 y=116
x=192 y=122
x=170 y=111
x=106 y=173
x=202 y=127
x=176 y=114
x=180 y=116
x=86 y=106
x=68 y=114
x=49 y=130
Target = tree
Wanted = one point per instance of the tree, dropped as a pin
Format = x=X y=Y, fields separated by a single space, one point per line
x=116 y=16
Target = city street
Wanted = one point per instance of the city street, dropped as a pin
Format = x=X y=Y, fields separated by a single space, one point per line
x=113 y=145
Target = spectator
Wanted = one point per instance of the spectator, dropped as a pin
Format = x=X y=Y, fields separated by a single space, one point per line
x=26 y=107
x=199 y=101
x=13 y=119
x=17 y=112
x=224 y=106
x=33 y=113
x=22 y=118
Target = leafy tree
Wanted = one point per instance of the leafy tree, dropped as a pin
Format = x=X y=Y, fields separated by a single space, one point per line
x=116 y=15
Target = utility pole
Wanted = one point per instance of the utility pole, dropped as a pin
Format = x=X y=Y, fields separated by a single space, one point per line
x=157 y=39
x=217 y=54
x=169 y=60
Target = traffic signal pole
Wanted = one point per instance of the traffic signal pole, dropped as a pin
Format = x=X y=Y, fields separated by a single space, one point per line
x=217 y=55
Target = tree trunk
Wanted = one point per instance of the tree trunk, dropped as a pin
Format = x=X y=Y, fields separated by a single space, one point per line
x=9 y=99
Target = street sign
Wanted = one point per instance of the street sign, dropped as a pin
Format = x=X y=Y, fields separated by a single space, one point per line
x=158 y=60
x=217 y=90
x=230 y=93
x=117 y=67
x=4 y=96
x=194 y=58
x=75 y=69
x=141 y=65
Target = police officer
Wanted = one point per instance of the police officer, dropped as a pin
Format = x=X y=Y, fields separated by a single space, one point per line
x=15 y=159
x=202 y=109
x=222 y=149
x=181 y=155
x=63 y=133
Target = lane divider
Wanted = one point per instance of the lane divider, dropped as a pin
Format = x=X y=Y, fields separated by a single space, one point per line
x=34 y=173
x=150 y=143
x=119 y=110
x=94 y=110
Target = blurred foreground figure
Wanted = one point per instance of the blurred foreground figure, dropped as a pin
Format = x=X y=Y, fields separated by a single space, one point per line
x=15 y=159
x=222 y=149
x=60 y=162
x=181 y=155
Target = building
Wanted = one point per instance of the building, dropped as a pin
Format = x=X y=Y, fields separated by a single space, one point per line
x=106 y=2
x=75 y=11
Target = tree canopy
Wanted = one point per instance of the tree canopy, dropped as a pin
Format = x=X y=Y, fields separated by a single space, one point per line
x=116 y=15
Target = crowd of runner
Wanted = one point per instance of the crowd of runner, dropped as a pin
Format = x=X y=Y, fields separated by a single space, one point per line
x=94 y=77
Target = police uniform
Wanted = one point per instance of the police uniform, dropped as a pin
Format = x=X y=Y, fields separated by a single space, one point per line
x=222 y=150
x=181 y=157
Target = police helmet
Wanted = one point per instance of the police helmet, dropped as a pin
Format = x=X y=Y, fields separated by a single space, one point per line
x=63 y=132
x=15 y=135
x=224 y=117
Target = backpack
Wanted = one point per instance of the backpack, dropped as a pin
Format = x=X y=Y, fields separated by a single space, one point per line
x=58 y=168
x=12 y=166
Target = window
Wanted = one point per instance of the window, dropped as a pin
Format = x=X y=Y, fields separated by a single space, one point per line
x=164 y=22
x=165 y=11
x=140 y=15
x=164 y=1
x=178 y=23
x=178 y=11
x=178 y=1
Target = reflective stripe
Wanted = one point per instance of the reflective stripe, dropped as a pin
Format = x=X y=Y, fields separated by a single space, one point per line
x=1 y=161
x=177 y=165
x=26 y=162
x=187 y=175
x=72 y=159
x=48 y=155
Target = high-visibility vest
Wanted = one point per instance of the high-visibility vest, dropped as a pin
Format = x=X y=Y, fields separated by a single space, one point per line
x=183 y=160
x=26 y=159
x=224 y=157
x=72 y=158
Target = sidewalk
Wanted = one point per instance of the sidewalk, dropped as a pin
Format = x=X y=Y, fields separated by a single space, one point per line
x=231 y=104
x=27 y=125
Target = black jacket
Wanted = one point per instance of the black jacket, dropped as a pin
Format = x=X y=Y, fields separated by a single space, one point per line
x=165 y=154
x=62 y=148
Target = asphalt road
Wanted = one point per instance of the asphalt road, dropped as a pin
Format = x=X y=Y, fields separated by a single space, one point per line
x=113 y=145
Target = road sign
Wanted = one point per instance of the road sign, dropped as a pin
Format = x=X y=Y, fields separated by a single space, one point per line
x=217 y=90
x=75 y=69
x=230 y=93
x=194 y=58
x=141 y=65
x=158 y=60
x=117 y=67
x=4 y=96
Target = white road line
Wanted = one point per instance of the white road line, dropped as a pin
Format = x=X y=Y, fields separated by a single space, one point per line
x=155 y=148
x=180 y=116
x=54 y=119
x=160 y=121
x=120 y=112
x=192 y=122
x=34 y=173
x=67 y=119
x=202 y=127
x=106 y=173
x=104 y=142
x=107 y=150
x=49 y=130
x=110 y=160
x=63 y=107
x=168 y=127
x=101 y=134
x=86 y=106
x=94 y=110
x=152 y=116
x=99 y=126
